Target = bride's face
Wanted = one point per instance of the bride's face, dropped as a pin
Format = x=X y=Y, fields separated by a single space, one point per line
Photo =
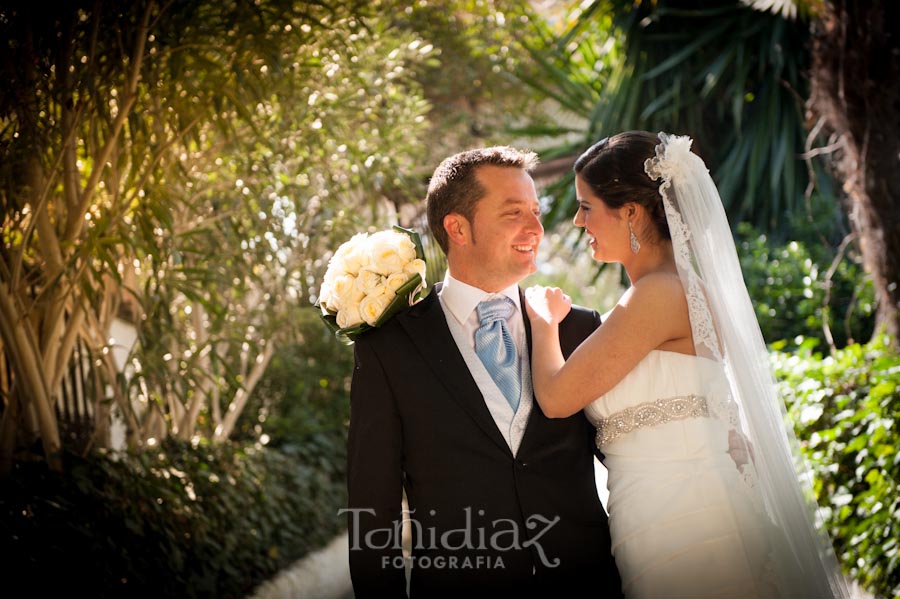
x=606 y=227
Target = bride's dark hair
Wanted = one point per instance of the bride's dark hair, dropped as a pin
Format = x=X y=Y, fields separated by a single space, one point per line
x=614 y=170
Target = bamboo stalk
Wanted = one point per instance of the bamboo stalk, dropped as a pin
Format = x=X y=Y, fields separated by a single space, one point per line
x=26 y=358
x=66 y=348
x=186 y=429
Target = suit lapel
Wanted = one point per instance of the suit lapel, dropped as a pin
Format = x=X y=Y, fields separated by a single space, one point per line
x=535 y=408
x=426 y=325
x=526 y=321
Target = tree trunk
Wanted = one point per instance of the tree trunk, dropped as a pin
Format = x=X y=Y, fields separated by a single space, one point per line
x=19 y=340
x=237 y=404
x=855 y=80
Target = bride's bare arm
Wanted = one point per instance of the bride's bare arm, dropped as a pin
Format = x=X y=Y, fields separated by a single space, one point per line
x=650 y=314
x=547 y=307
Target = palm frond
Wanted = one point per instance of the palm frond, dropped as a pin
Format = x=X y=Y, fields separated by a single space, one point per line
x=728 y=76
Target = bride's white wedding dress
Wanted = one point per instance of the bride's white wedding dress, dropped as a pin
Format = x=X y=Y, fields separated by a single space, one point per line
x=684 y=520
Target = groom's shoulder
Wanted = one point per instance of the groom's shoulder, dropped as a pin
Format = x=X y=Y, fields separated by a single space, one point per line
x=393 y=328
x=580 y=318
x=580 y=312
x=575 y=328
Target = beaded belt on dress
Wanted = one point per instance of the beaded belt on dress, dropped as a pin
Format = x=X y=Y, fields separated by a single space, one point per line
x=650 y=413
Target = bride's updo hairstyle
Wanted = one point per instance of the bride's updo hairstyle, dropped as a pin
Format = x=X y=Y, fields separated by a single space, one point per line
x=614 y=170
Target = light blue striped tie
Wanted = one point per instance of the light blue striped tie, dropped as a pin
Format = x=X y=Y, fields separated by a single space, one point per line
x=495 y=346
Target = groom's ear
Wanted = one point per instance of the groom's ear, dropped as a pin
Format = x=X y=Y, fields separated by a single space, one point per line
x=458 y=228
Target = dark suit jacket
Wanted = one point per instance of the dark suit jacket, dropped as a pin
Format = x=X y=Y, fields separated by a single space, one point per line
x=483 y=520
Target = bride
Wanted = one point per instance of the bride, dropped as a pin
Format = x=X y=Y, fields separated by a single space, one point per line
x=704 y=476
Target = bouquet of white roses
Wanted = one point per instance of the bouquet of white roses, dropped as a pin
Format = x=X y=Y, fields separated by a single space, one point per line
x=369 y=279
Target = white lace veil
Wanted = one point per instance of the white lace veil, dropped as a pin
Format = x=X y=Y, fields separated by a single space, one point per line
x=725 y=329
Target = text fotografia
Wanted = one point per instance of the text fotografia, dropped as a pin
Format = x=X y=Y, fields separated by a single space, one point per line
x=502 y=535
x=441 y=562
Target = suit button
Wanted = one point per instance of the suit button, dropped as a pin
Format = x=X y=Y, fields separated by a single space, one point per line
x=521 y=464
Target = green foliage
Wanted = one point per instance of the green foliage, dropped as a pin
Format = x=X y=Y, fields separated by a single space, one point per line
x=321 y=145
x=305 y=393
x=208 y=521
x=846 y=410
x=793 y=294
x=728 y=76
x=196 y=159
x=467 y=78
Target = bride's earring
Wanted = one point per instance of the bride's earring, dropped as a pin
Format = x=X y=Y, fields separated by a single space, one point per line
x=635 y=244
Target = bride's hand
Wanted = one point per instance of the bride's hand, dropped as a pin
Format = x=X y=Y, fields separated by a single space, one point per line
x=740 y=449
x=547 y=304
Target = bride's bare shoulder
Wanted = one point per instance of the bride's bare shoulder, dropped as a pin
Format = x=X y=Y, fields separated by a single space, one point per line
x=658 y=288
x=656 y=303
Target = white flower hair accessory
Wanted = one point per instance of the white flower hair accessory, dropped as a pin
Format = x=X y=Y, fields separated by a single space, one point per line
x=673 y=155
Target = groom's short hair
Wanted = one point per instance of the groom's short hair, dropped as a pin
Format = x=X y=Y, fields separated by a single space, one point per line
x=454 y=187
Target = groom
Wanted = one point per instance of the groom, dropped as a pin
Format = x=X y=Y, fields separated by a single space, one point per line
x=500 y=497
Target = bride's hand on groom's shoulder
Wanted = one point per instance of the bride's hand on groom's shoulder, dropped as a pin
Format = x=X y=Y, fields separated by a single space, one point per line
x=549 y=305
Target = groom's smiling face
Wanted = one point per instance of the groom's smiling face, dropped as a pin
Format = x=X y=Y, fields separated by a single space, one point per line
x=504 y=233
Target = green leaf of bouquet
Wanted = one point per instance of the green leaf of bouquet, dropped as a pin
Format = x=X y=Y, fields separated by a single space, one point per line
x=401 y=301
x=349 y=334
x=343 y=337
x=414 y=235
x=406 y=288
x=330 y=321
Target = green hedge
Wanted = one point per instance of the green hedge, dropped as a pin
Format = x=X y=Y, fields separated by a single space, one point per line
x=846 y=411
x=788 y=287
x=179 y=521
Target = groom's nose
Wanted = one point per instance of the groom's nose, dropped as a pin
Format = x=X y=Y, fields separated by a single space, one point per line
x=534 y=225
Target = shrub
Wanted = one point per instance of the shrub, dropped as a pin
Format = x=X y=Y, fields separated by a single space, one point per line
x=210 y=521
x=845 y=408
x=788 y=287
x=304 y=394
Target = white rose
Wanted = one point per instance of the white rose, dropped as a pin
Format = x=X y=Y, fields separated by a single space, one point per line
x=406 y=248
x=357 y=257
x=342 y=284
x=388 y=236
x=416 y=267
x=325 y=297
x=344 y=292
x=396 y=281
x=387 y=252
x=337 y=265
x=348 y=316
x=370 y=282
x=371 y=308
x=349 y=245
x=335 y=268
x=332 y=271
